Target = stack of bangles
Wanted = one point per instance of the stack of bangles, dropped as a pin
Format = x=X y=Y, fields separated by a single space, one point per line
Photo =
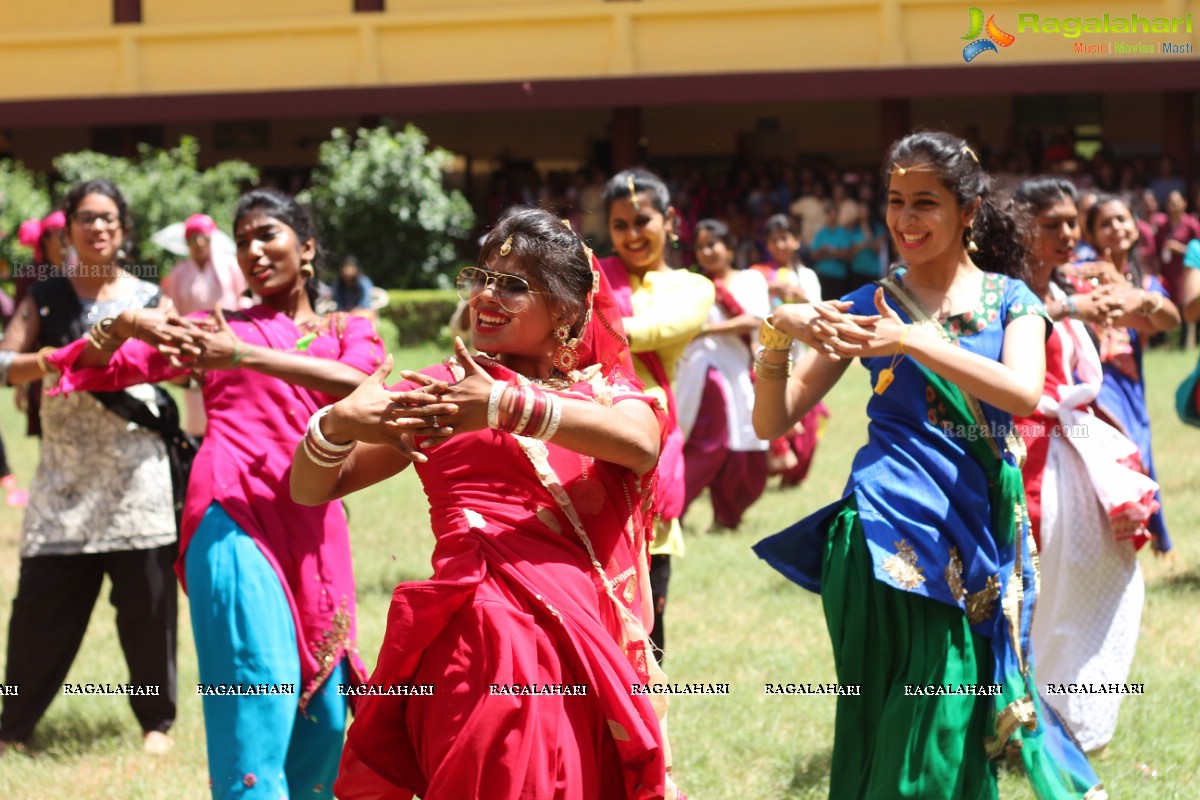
x=524 y=411
x=775 y=341
x=101 y=336
x=320 y=450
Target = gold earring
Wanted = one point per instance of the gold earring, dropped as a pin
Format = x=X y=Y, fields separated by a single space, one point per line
x=971 y=246
x=566 y=358
x=306 y=269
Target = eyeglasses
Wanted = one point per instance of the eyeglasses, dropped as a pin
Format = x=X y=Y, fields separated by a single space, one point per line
x=87 y=219
x=512 y=292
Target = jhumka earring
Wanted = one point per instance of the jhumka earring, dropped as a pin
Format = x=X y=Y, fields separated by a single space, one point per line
x=674 y=237
x=306 y=269
x=971 y=246
x=566 y=358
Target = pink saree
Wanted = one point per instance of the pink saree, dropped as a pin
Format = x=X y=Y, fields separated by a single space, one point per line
x=244 y=463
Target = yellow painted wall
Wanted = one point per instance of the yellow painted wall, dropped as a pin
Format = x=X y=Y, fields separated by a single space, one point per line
x=17 y=17
x=158 y=12
x=71 y=49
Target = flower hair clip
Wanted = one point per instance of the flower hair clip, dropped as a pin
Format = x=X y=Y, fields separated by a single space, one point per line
x=506 y=248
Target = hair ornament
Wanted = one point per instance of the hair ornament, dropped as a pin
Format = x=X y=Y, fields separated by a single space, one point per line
x=506 y=248
x=633 y=198
x=967 y=151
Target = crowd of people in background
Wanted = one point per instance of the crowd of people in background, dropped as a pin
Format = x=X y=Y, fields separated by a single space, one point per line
x=693 y=354
x=838 y=212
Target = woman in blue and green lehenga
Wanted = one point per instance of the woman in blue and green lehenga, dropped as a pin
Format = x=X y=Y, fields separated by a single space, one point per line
x=926 y=569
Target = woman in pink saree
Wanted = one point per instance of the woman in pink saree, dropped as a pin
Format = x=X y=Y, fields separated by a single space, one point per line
x=270 y=581
x=519 y=670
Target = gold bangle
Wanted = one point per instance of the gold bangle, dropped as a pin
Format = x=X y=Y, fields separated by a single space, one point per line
x=41 y=360
x=772 y=338
x=767 y=371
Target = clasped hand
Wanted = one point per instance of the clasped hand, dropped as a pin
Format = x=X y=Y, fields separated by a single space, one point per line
x=828 y=328
x=432 y=412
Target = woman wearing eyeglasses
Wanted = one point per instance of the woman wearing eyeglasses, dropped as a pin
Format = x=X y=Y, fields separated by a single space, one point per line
x=100 y=503
x=270 y=582
x=517 y=669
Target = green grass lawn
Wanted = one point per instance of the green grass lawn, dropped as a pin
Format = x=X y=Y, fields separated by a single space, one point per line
x=731 y=620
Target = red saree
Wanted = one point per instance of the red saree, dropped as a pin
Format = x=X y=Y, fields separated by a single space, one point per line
x=540 y=580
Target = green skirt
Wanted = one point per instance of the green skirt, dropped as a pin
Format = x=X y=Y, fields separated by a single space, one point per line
x=891 y=742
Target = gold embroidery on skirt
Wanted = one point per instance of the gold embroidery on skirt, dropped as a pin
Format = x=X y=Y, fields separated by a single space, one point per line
x=1017 y=713
x=979 y=604
x=903 y=568
x=954 y=576
x=332 y=641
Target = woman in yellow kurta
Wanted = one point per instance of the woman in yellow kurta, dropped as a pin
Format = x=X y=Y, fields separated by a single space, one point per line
x=663 y=310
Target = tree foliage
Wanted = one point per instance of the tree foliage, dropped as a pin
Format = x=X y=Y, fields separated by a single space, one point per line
x=162 y=187
x=379 y=195
x=23 y=196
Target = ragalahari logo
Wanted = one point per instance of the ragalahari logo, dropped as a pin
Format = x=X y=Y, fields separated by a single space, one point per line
x=995 y=36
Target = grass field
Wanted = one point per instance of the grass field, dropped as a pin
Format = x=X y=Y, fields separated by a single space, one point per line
x=731 y=620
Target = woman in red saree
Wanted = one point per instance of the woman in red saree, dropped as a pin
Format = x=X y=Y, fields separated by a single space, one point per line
x=527 y=648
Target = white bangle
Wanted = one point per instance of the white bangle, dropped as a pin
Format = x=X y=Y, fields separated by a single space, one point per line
x=328 y=462
x=555 y=418
x=314 y=430
x=493 y=410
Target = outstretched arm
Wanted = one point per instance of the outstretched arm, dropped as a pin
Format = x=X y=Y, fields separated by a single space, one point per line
x=222 y=349
x=19 y=338
x=382 y=423
x=779 y=404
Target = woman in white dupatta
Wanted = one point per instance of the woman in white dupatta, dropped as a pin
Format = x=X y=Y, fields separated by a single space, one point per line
x=1088 y=497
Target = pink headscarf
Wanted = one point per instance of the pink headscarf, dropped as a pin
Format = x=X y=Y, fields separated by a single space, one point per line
x=198 y=224
x=32 y=230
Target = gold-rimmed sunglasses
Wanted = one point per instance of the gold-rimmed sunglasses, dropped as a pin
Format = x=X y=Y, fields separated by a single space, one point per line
x=512 y=292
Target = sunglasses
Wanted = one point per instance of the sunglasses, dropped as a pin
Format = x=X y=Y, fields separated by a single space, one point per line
x=512 y=292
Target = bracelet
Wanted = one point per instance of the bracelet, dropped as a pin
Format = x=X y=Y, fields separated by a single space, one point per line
x=318 y=438
x=555 y=418
x=493 y=408
x=101 y=336
x=6 y=360
x=41 y=360
x=525 y=411
x=1153 y=300
x=769 y=371
x=772 y=338
x=1072 y=309
x=320 y=458
x=240 y=351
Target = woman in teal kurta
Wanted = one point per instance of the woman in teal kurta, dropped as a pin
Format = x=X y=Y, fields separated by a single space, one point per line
x=925 y=567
